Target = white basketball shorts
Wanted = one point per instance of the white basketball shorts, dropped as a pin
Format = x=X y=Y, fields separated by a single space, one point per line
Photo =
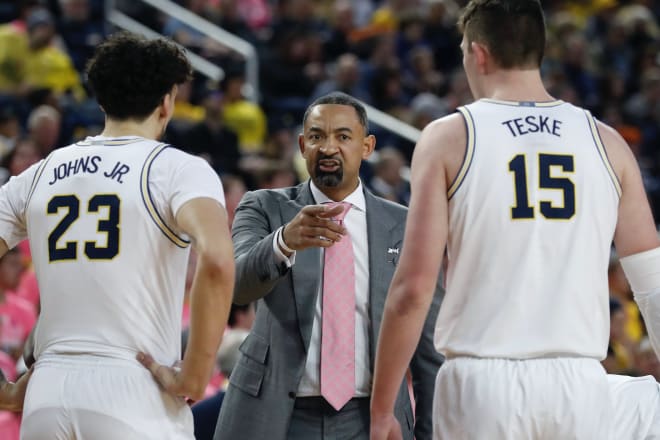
x=636 y=403
x=537 y=399
x=95 y=398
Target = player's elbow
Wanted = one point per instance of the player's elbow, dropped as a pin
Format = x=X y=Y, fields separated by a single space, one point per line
x=217 y=267
x=410 y=295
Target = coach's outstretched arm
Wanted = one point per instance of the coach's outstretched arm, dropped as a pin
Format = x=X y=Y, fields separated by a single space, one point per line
x=205 y=221
x=258 y=269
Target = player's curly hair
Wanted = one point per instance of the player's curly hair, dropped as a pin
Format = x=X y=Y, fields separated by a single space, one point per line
x=513 y=30
x=130 y=75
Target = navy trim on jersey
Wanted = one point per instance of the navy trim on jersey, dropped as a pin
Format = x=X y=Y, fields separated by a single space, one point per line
x=149 y=203
x=470 y=145
x=539 y=104
x=35 y=180
x=602 y=152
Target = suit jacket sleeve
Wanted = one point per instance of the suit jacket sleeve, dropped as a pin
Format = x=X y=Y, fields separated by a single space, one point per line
x=424 y=368
x=257 y=272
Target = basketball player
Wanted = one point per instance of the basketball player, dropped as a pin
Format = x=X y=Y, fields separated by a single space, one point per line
x=527 y=192
x=111 y=220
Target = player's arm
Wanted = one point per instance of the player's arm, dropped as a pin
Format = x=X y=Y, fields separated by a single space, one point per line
x=205 y=221
x=415 y=278
x=635 y=231
x=636 y=238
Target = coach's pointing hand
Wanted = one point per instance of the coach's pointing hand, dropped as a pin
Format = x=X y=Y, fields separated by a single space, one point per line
x=313 y=227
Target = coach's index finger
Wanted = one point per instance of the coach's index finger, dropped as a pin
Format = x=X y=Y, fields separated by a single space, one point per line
x=329 y=212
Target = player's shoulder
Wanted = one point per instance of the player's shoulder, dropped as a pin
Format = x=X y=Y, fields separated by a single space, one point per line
x=173 y=156
x=442 y=143
x=617 y=149
x=445 y=132
x=609 y=135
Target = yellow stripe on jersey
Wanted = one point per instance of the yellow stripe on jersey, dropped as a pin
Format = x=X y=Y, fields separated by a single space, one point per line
x=469 y=152
x=603 y=154
x=149 y=204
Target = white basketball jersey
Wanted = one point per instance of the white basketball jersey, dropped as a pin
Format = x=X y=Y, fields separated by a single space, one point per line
x=110 y=264
x=532 y=214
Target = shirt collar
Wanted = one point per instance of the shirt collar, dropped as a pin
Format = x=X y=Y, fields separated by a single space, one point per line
x=356 y=198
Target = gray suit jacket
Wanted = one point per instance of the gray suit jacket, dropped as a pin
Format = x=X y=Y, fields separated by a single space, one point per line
x=263 y=384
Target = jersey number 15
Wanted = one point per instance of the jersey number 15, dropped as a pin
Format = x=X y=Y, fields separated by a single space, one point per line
x=522 y=209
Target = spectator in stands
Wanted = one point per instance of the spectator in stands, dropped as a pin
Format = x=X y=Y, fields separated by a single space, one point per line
x=621 y=350
x=422 y=75
x=442 y=35
x=25 y=153
x=44 y=126
x=79 y=31
x=299 y=15
x=193 y=38
x=345 y=78
x=46 y=65
x=13 y=48
x=388 y=180
x=621 y=291
x=185 y=112
x=339 y=39
x=211 y=139
x=10 y=129
x=234 y=188
x=17 y=316
x=244 y=117
x=290 y=73
x=230 y=18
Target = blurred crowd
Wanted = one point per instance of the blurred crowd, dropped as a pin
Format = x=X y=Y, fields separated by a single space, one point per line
x=400 y=56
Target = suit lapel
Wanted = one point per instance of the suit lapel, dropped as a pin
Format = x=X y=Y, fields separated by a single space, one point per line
x=381 y=266
x=305 y=273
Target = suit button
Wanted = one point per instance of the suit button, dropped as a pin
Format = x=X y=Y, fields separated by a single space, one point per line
x=292 y=394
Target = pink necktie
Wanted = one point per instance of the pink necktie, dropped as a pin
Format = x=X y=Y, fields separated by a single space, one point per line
x=338 y=330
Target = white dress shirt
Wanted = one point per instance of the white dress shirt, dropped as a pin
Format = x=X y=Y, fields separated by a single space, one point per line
x=356 y=225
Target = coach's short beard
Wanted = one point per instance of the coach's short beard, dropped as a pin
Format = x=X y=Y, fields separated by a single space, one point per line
x=324 y=179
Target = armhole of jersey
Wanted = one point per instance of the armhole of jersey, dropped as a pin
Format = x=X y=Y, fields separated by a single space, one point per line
x=149 y=203
x=35 y=180
x=469 y=152
x=602 y=152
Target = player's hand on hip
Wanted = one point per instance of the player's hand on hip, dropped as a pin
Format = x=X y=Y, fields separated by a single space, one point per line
x=12 y=394
x=168 y=377
x=385 y=427
x=313 y=227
